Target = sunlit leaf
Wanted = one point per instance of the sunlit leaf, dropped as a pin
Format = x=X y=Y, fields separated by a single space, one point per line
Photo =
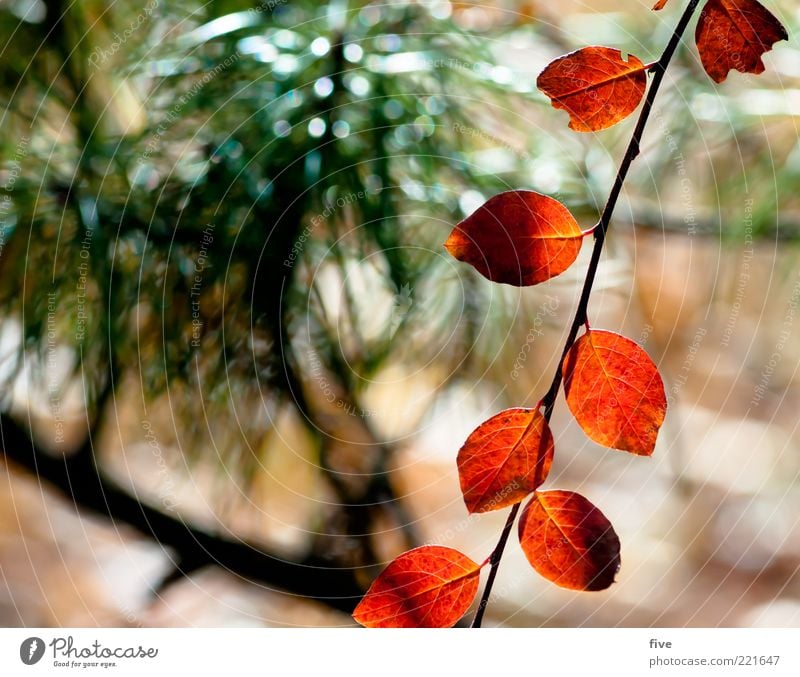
x=569 y=541
x=595 y=85
x=518 y=237
x=504 y=459
x=614 y=391
x=429 y=587
x=734 y=34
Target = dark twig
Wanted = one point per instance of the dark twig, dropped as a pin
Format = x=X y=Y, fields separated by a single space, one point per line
x=79 y=480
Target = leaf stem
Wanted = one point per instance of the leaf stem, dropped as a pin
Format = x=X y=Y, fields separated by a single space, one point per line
x=494 y=562
x=658 y=68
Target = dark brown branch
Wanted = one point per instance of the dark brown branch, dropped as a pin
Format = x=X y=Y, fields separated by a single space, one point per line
x=77 y=478
x=548 y=402
x=494 y=562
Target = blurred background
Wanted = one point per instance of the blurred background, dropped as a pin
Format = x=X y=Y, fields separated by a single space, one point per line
x=237 y=363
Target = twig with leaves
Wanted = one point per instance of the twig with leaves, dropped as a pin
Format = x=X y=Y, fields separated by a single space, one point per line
x=611 y=385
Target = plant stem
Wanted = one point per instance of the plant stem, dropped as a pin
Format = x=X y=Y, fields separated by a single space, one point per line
x=494 y=562
x=659 y=68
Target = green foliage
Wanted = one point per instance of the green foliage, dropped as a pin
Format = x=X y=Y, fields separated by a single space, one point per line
x=190 y=181
x=185 y=178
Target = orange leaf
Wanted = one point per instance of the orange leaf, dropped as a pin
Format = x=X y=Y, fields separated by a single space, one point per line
x=595 y=85
x=429 y=587
x=733 y=34
x=569 y=541
x=614 y=391
x=518 y=237
x=504 y=459
x=660 y=5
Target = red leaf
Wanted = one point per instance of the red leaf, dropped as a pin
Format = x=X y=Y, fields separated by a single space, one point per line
x=733 y=34
x=504 y=459
x=518 y=237
x=429 y=587
x=595 y=85
x=614 y=391
x=569 y=541
x=660 y=5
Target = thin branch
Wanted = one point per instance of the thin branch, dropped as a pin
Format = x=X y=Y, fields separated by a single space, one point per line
x=658 y=70
x=78 y=479
x=494 y=563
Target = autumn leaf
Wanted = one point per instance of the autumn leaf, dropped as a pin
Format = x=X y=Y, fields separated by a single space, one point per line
x=519 y=237
x=504 y=459
x=595 y=85
x=569 y=541
x=734 y=34
x=614 y=391
x=660 y=5
x=429 y=587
